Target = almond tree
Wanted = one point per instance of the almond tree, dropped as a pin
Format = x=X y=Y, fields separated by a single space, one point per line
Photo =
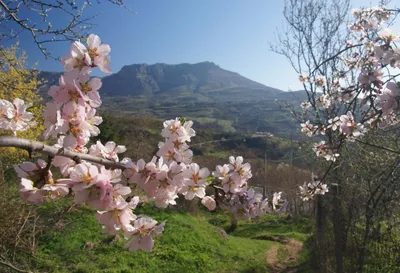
x=343 y=70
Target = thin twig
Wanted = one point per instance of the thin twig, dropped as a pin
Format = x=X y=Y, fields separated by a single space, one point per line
x=379 y=147
x=19 y=233
x=12 y=266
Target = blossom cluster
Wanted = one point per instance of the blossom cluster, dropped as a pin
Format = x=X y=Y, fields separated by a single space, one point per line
x=322 y=149
x=171 y=172
x=315 y=187
x=247 y=204
x=72 y=114
x=379 y=52
x=14 y=117
x=369 y=101
x=237 y=197
x=368 y=19
x=37 y=184
x=71 y=117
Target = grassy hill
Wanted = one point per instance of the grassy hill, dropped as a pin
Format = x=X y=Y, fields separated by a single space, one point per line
x=59 y=237
x=188 y=244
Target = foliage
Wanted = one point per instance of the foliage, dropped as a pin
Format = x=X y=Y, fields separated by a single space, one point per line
x=17 y=81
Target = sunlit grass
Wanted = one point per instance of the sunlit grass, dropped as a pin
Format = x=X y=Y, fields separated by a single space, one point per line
x=188 y=244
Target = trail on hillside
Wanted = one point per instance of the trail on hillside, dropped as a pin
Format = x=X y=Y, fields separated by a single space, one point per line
x=281 y=256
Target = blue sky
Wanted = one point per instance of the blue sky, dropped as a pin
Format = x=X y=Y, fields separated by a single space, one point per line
x=232 y=33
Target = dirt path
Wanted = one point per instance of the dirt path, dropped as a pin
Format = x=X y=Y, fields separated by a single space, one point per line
x=280 y=257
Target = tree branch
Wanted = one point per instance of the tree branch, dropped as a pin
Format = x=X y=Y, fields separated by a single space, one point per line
x=36 y=146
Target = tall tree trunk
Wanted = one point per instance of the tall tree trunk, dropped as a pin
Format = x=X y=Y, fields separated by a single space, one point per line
x=363 y=250
x=338 y=225
x=320 y=235
x=234 y=223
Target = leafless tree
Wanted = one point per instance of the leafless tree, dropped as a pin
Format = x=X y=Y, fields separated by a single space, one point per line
x=316 y=30
x=315 y=44
x=35 y=17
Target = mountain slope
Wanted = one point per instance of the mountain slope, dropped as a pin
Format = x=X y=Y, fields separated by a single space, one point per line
x=214 y=97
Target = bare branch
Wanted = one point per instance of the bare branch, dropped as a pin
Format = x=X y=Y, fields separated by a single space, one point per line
x=4 y=262
x=33 y=16
x=377 y=146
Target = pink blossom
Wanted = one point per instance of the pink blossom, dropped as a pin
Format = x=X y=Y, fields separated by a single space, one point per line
x=117 y=219
x=83 y=176
x=308 y=129
x=37 y=196
x=174 y=130
x=7 y=112
x=77 y=59
x=334 y=123
x=325 y=101
x=30 y=193
x=305 y=105
x=349 y=127
x=322 y=150
x=387 y=35
x=196 y=175
x=209 y=203
x=370 y=76
x=145 y=228
x=389 y=98
x=108 y=151
x=304 y=79
x=55 y=191
x=221 y=172
x=99 y=53
x=89 y=125
x=240 y=171
x=22 y=119
x=30 y=169
x=53 y=121
x=320 y=81
x=315 y=187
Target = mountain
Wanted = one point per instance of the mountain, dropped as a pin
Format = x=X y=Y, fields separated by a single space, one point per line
x=214 y=97
x=143 y=79
x=205 y=78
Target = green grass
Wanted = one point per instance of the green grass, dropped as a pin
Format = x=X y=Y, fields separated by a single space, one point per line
x=266 y=226
x=226 y=125
x=219 y=154
x=278 y=229
x=188 y=244
x=271 y=226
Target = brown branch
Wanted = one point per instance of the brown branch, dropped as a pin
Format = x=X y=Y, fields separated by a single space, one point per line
x=12 y=266
x=36 y=146
x=334 y=56
x=377 y=146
